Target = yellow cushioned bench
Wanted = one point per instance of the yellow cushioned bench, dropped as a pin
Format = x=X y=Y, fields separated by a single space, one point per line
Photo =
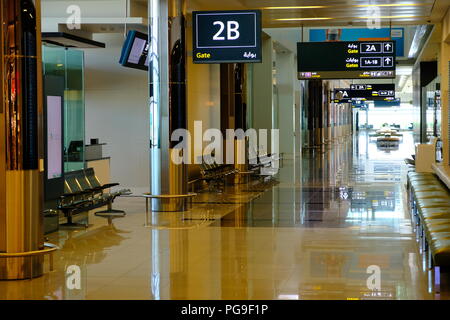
x=430 y=201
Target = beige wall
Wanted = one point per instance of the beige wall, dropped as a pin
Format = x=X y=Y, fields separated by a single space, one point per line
x=203 y=86
x=262 y=90
x=203 y=96
x=117 y=112
x=286 y=79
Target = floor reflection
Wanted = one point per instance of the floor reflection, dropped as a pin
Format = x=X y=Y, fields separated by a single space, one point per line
x=334 y=214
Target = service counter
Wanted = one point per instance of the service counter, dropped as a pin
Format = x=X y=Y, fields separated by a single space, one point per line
x=95 y=159
x=102 y=168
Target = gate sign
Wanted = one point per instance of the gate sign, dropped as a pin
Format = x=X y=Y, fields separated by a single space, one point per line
x=227 y=36
x=346 y=60
x=373 y=91
x=364 y=92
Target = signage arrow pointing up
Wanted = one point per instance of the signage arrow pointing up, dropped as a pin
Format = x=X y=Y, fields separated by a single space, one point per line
x=387 y=46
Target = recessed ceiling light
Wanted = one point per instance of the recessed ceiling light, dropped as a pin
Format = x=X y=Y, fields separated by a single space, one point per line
x=299 y=19
x=349 y=18
x=391 y=17
x=389 y=5
x=343 y=6
x=295 y=7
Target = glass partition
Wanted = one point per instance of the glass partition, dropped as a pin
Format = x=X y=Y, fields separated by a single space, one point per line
x=69 y=65
x=432 y=97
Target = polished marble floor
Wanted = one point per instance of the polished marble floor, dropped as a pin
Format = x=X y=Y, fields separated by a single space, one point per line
x=311 y=235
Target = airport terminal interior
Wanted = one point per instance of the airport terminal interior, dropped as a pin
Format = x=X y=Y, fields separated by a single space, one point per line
x=239 y=149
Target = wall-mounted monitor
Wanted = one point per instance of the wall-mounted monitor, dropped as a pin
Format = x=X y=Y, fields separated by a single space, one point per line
x=227 y=36
x=346 y=60
x=135 y=51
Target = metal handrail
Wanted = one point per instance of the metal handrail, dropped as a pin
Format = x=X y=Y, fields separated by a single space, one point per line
x=168 y=196
x=51 y=249
x=148 y=195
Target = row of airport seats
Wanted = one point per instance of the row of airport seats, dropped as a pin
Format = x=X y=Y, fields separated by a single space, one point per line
x=263 y=164
x=84 y=192
x=215 y=174
x=429 y=202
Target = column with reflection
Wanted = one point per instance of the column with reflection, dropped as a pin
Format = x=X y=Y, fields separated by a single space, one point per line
x=21 y=147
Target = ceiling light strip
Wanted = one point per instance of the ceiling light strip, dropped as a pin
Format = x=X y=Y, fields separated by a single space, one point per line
x=297 y=19
x=351 y=18
x=348 y=6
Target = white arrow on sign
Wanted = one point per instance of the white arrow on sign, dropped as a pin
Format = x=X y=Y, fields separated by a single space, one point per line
x=387 y=46
x=387 y=60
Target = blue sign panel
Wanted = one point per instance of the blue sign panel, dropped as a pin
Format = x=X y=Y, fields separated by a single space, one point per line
x=388 y=103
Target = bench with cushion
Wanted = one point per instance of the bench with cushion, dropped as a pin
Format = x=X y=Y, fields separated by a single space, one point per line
x=429 y=202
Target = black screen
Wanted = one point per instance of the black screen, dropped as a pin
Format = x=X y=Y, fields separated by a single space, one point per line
x=371 y=92
x=227 y=36
x=346 y=60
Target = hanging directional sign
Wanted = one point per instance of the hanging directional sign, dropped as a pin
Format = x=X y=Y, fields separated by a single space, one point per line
x=346 y=60
x=386 y=104
x=226 y=36
x=373 y=91
x=365 y=92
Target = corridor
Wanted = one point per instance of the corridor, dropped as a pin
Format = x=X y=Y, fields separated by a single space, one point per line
x=312 y=235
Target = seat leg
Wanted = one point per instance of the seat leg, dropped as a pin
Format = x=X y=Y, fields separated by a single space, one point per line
x=421 y=239
x=417 y=232
x=430 y=259
x=437 y=279
x=424 y=243
x=72 y=225
x=111 y=210
x=146 y=211
x=110 y=213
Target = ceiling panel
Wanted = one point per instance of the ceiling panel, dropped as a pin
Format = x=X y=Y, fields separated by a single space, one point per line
x=289 y=13
x=314 y=13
